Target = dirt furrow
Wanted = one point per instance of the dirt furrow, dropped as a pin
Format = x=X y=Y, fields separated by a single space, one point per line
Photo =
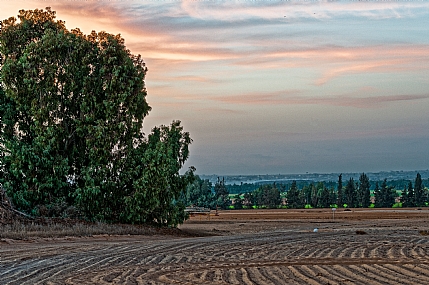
x=350 y=277
x=302 y=277
x=375 y=275
x=411 y=276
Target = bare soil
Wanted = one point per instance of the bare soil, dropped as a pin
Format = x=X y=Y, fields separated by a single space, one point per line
x=371 y=246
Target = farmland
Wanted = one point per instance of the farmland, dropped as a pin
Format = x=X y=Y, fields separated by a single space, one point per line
x=372 y=246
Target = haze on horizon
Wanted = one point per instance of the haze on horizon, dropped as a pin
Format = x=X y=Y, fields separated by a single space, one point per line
x=268 y=87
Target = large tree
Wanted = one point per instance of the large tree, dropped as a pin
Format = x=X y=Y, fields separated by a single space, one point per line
x=350 y=193
x=293 y=198
x=340 y=191
x=363 y=192
x=384 y=197
x=325 y=197
x=72 y=115
x=419 y=191
x=407 y=196
x=221 y=194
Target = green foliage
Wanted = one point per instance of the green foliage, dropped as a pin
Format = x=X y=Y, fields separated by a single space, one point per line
x=199 y=193
x=293 y=197
x=397 y=205
x=350 y=194
x=417 y=196
x=363 y=192
x=340 y=191
x=267 y=196
x=384 y=196
x=324 y=197
x=238 y=202
x=408 y=198
x=419 y=191
x=247 y=200
x=72 y=113
x=308 y=206
x=221 y=194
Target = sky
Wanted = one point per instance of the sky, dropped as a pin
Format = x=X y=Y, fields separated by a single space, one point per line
x=277 y=87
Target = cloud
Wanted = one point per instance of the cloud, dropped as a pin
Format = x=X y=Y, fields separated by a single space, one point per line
x=335 y=61
x=288 y=98
x=261 y=98
x=368 y=102
x=371 y=66
x=295 y=9
x=193 y=78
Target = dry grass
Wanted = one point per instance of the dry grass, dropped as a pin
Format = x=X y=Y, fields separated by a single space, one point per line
x=24 y=231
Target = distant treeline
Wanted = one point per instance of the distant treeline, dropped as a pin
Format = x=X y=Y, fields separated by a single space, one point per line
x=362 y=193
x=250 y=187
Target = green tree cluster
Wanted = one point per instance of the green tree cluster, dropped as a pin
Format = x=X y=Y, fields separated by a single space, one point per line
x=242 y=188
x=221 y=194
x=414 y=196
x=199 y=194
x=71 y=110
x=267 y=195
x=312 y=195
x=294 y=198
x=384 y=196
x=354 y=194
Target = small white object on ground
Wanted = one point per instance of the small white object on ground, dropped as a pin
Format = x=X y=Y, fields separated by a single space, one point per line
x=315 y=230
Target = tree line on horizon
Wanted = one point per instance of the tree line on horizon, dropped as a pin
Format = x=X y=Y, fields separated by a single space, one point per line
x=348 y=194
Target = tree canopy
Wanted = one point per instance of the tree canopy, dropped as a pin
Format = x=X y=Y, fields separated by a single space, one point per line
x=72 y=108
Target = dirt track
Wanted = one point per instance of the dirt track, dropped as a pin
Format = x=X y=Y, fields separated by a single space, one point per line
x=252 y=247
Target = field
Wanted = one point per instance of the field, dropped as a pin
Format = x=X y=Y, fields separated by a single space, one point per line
x=370 y=246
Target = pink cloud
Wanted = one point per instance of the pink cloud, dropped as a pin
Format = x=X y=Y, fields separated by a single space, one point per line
x=338 y=61
x=289 y=98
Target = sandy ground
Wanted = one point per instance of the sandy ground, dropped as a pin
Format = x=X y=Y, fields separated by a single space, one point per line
x=369 y=246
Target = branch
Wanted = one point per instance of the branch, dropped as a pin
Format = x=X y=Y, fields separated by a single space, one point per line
x=7 y=205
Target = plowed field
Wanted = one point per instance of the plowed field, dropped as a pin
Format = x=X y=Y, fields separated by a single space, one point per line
x=239 y=247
